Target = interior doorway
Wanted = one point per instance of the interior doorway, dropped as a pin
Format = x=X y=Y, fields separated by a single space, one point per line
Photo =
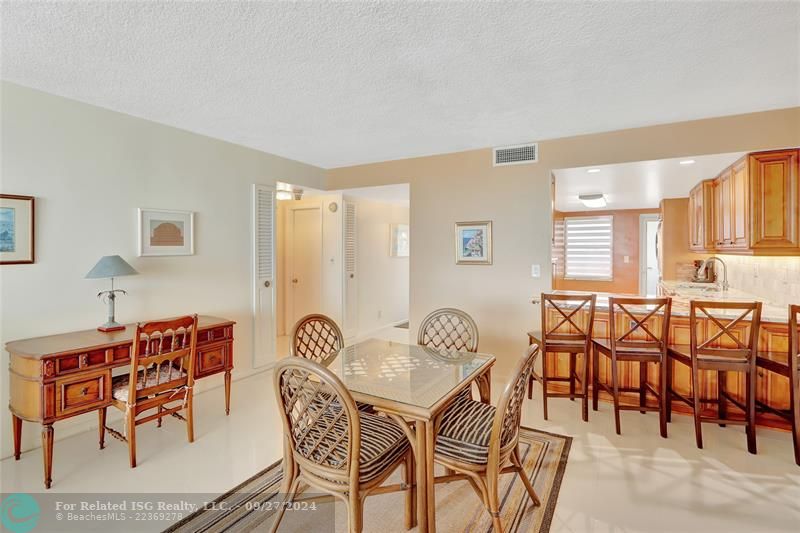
x=303 y=280
x=649 y=265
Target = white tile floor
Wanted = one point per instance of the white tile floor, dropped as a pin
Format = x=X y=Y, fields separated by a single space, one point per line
x=629 y=483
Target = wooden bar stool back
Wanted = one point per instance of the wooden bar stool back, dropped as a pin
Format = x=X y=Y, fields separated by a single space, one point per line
x=644 y=340
x=722 y=345
x=567 y=321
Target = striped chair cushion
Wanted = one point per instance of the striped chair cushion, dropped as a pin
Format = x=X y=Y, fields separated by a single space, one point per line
x=465 y=431
x=382 y=443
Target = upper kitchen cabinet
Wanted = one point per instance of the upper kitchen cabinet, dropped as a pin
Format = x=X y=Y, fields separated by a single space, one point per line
x=701 y=222
x=774 y=187
x=751 y=207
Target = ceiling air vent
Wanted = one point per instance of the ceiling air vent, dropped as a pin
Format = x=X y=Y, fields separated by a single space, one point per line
x=519 y=154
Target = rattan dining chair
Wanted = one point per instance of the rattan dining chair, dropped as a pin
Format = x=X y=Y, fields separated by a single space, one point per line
x=449 y=329
x=160 y=379
x=720 y=348
x=480 y=442
x=316 y=337
x=334 y=447
x=642 y=343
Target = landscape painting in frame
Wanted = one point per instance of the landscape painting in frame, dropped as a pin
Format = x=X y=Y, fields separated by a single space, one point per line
x=16 y=229
x=163 y=232
x=474 y=243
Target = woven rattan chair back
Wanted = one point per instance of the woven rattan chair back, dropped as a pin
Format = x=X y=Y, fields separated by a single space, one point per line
x=505 y=430
x=320 y=420
x=740 y=332
x=447 y=330
x=316 y=337
x=639 y=334
x=166 y=351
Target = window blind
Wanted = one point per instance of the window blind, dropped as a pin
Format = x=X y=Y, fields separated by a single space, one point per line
x=589 y=247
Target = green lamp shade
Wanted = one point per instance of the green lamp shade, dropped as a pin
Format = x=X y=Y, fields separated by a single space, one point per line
x=110 y=266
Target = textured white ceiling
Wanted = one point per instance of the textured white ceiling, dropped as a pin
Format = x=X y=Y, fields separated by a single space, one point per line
x=334 y=84
x=638 y=185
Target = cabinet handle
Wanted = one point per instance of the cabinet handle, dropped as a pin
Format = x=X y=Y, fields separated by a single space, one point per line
x=84 y=391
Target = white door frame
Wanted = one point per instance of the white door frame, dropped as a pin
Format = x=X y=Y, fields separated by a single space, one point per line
x=643 y=220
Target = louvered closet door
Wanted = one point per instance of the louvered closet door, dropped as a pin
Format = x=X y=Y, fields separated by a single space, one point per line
x=264 y=275
x=350 y=277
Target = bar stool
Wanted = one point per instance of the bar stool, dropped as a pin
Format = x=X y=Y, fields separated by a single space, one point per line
x=573 y=315
x=638 y=344
x=789 y=367
x=719 y=348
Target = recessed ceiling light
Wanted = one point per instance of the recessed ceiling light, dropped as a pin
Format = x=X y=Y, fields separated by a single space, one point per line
x=593 y=201
x=687 y=162
x=593 y=170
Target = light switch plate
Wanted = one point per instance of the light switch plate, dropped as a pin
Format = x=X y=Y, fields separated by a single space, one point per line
x=536 y=271
x=626 y=259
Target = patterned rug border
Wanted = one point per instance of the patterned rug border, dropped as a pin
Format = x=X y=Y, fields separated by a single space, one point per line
x=547 y=519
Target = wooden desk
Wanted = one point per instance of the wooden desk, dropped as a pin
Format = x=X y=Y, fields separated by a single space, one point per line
x=60 y=376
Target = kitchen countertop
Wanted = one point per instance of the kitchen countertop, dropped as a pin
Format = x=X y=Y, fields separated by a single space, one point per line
x=682 y=292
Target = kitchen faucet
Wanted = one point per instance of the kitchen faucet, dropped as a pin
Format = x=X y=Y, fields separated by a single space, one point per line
x=725 y=284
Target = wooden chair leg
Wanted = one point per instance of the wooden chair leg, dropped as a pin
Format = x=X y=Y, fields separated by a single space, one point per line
x=585 y=393
x=544 y=384
x=668 y=390
x=355 y=512
x=642 y=388
x=130 y=435
x=189 y=417
x=572 y=367
x=290 y=494
x=663 y=397
x=101 y=427
x=794 y=397
x=407 y=476
x=722 y=403
x=595 y=379
x=751 y=410
x=615 y=388
x=494 y=503
x=696 y=406
x=158 y=420
x=515 y=458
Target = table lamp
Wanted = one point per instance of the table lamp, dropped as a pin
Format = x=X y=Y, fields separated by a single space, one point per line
x=110 y=266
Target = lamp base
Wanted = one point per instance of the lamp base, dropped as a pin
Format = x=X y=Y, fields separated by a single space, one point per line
x=110 y=326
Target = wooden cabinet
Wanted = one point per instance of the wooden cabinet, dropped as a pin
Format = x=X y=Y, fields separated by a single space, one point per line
x=774 y=188
x=701 y=225
x=751 y=207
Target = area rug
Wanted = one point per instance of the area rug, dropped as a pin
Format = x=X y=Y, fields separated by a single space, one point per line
x=458 y=508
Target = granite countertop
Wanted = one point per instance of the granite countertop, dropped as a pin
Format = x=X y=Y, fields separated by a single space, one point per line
x=682 y=292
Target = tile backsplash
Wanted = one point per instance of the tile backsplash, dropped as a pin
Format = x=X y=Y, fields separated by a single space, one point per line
x=776 y=279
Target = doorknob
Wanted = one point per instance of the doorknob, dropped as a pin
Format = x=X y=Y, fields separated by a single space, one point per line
x=294 y=280
x=267 y=283
x=352 y=276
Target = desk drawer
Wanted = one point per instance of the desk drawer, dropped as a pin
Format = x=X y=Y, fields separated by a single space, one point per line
x=214 y=334
x=212 y=359
x=82 y=393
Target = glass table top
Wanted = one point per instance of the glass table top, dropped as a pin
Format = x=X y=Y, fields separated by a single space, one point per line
x=415 y=375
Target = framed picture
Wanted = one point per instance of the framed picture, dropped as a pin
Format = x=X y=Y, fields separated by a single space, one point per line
x=16 y=229
x=400 y=240
x=474 y=243
x=165 y=232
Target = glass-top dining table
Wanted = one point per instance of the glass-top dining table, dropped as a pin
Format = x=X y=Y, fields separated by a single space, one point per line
x=412 y=384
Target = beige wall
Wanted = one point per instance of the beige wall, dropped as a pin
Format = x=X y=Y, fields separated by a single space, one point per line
x=90 y=169
x=464 y=186
x=677 y=261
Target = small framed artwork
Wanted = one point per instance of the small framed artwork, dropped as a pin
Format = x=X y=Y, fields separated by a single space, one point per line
x=16 y=229
x=400 y=240
x=474 y=243
x=165 y=232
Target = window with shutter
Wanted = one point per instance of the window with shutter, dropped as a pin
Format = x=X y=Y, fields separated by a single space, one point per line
x=589 y=248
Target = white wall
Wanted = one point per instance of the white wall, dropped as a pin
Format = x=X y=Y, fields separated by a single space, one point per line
x=90 y=169
x=383 y=281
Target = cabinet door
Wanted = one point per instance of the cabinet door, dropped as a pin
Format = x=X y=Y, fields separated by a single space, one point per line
x=723 y=211
x=696 y=218
x=774 y=188
x=739 y=204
